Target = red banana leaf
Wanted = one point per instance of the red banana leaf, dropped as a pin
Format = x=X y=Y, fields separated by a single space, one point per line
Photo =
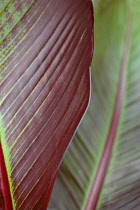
x=101 y=169
x=46 y=49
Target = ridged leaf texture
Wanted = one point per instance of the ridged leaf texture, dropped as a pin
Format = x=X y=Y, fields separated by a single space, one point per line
x=46 y=49
x=101 y=169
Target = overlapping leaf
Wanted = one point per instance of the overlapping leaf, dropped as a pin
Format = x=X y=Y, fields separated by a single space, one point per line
x=46 y=49
x=112 y=123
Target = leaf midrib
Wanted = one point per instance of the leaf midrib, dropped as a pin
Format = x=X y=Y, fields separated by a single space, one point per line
x=101 y=172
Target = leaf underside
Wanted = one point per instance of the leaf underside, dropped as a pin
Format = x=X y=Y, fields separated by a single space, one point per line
x=46 y=49
x=101 y=169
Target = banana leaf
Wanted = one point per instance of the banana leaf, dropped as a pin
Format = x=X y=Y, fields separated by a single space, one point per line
x=46 y=49
x=101 y=169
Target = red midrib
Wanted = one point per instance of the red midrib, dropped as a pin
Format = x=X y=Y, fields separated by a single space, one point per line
x=4 y=185
x=97 y=185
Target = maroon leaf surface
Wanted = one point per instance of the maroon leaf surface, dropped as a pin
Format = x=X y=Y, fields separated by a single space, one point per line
x=46 y=49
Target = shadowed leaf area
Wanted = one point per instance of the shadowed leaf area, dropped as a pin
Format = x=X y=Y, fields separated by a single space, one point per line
x=101 y=169
x=45 y=55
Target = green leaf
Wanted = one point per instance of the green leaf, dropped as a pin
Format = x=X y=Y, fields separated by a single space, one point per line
x=46 y=49
x=101 y=169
